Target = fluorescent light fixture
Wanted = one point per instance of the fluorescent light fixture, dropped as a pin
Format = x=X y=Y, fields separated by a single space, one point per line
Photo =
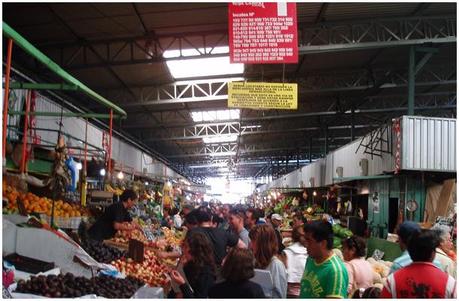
x=215 y=115
x=220 y=139
x=248 y=127
x=201 y=66
x=223 y=154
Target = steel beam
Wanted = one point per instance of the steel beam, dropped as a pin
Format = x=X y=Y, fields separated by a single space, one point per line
x=245 y=120
x=194 y=91
x=377 y=33
x=313 y=38
x=66 y=114
x=229 y=149
x=145 y=49
x=43 y=86
x=201 y=132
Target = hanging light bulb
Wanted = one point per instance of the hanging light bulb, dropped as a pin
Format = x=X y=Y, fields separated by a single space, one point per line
x=102 y=172
x=120 y=175
x=146 y=183
x=79 y=166
x=314 y=193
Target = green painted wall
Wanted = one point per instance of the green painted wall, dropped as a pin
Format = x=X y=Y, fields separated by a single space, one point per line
x=391 y=188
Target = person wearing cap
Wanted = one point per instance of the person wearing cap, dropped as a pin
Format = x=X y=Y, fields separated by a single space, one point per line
x=276 y=221
x=404 y=232
x=116 y=217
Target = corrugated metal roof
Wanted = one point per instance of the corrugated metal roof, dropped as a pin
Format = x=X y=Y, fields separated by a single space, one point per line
x=364 y=10
x=307 y=12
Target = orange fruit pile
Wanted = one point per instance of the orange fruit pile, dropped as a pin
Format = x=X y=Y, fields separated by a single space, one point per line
x=34 y=203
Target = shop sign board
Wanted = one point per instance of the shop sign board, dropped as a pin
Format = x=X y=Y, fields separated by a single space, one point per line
x=263 y=33
x=262 y=96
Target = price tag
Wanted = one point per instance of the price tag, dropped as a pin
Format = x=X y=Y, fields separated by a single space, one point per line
x=136 y=250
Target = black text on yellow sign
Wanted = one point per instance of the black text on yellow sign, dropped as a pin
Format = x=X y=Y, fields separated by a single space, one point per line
x=261 y=96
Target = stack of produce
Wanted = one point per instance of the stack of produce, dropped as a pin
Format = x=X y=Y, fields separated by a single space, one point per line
x=116 y=191
x=101 y=252
x=69 y=286
x=173 y=238
x=381 y=270
x=11 y=195
x=283 y=205
x=123 y=237
x=33 y=203
x=151 y=271
x=340 y=233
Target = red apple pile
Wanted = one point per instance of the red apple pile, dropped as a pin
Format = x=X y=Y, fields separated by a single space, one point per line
x=151 y=271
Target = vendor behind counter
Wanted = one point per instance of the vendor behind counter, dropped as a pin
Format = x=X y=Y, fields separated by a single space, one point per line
x=116 y=217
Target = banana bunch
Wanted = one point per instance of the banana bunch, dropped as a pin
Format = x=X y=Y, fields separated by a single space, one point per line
x=116 y=191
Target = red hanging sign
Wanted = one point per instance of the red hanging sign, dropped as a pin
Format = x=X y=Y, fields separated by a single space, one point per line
x=398 y=141
x=263 y=33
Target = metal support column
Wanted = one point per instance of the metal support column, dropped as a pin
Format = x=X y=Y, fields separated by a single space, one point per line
x=326 y=141
x=298 y=158
x=352 y=124
x=310 y=150
x=6 y=97
x=24 y=136
x=110 y=144
x=411 y=80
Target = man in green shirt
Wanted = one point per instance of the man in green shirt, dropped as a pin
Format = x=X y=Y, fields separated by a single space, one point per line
x=325 y=275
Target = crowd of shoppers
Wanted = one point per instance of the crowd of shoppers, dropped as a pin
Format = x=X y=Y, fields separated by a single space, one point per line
x=226 y=246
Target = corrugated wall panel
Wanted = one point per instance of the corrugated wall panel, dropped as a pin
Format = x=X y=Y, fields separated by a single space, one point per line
x=348 y=157
x=428 y=144
x=314 y=170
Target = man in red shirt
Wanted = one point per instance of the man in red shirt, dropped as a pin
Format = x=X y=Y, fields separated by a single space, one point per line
x=421 y=279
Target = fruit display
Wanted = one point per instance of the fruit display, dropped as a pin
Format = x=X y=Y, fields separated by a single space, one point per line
x=283 y=205
x=173 y=238
x=123 y=237
x=11 y=195
x=381 y=270
x=151 y=271
x=69 y=286
x=33 y=203
x=101 y=252
x=340 y=233
x=116 y=191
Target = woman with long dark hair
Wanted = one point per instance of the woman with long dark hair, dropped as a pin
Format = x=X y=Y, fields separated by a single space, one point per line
x=198 y=266
x=263 y=242
x=237 y=271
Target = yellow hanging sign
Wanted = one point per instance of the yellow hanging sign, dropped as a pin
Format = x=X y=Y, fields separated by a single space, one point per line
x=262 y=96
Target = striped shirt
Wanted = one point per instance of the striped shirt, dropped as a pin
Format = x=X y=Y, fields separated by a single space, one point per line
x=328 y=279
x=419 y=280
x=405 y=260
